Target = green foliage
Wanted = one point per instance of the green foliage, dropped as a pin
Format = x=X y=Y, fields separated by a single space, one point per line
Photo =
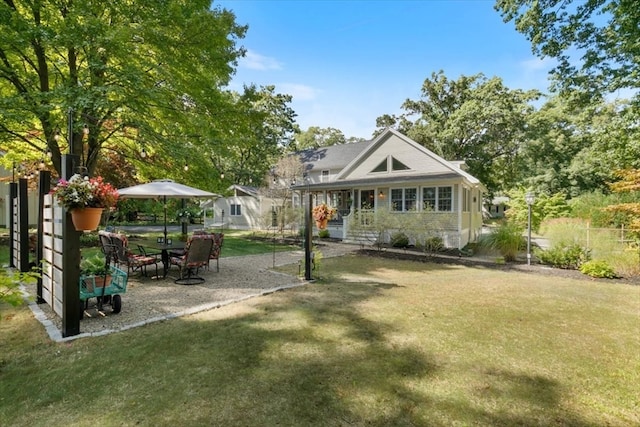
x=10 y=286
x=507 y=239
x=598 y=268
x=94 y=265
x=600 y=31
x=399 y=240
x=324 y=234
x=544 y=207
x=89 y=239
x=474 y=118
x=433 y=244
x=590 y=207
x=569 y=257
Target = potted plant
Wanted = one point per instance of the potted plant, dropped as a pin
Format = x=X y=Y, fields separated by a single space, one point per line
x=322 y=214
x=85 y=198
x=95 y=271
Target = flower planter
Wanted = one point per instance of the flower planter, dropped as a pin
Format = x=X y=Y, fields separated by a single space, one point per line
x=86 y=219
x=322 y=224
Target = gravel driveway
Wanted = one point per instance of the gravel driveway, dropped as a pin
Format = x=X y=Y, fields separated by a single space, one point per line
x=147 y=300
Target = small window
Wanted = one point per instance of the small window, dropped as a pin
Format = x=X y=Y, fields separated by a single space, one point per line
x=429 y=198
x=397 y=165
x=382 y=167
x=235 y=210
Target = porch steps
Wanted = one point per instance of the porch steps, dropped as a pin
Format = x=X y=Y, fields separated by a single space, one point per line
x=361 y=237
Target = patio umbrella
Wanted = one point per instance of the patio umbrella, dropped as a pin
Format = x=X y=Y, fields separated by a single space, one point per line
x=164 y=188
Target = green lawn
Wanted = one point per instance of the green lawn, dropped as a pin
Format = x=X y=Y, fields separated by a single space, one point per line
x=373 y=343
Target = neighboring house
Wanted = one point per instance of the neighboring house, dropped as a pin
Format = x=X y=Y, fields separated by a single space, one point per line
x=246 y=209
x=496 y=207
x=396 y=173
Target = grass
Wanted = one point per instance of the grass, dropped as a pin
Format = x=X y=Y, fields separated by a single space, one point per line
x=373 y=343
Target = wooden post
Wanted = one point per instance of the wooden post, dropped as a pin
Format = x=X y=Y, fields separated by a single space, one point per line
x=70 y=262
x=23 y=221
x=13 y=193
x=44 y=186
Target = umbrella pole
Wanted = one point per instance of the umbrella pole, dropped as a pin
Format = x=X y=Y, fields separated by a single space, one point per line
x=165 y=220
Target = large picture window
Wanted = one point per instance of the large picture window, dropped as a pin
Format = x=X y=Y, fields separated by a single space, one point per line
x=437 y=198
x=404 y=199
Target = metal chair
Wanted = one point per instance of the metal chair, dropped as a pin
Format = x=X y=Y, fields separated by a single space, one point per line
x=196 y=255
x=133 y=261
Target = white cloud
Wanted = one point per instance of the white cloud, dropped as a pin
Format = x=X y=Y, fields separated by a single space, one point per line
x=299 y=92
x=255 y=61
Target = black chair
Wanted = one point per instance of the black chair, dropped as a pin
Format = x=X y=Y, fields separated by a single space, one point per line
x=133 y=261
x=196 y=255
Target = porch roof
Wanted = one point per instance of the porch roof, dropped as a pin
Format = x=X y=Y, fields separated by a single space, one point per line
x=376 y=182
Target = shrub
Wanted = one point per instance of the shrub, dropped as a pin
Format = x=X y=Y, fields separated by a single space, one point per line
x=506 y=239
x=89 y=240
x=598 y=268
x=433 y=244
x=324 y=234
x=569 y=257
x=399 y=240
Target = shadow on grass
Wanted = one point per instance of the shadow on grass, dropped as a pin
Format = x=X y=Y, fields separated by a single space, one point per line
x=305 y=357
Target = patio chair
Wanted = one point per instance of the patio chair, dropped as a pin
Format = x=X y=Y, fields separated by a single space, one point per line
x=133 y=261
x=107 y=246
x=196 y=255
x=218 y=239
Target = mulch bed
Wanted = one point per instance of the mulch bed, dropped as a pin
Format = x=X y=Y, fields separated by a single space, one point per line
x=473 y=261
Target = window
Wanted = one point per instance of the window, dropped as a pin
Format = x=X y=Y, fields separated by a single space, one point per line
x=397 y=165
x=465 y=199
x=382 y=167
x=429 y=198
x=235 y=210
x=403 y=199
x=445 y=199
x=437 y=199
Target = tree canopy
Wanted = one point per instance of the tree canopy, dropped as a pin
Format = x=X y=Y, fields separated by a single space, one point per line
x=475 y=119
x=134 y=74
x=594 y=41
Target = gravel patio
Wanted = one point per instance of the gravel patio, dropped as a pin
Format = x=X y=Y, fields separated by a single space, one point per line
x=148 y=300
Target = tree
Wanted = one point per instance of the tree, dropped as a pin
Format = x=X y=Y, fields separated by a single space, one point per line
x=628 y=182
x=287 y=171
x=475 y=119
x=316 y=137
x=604 y=32
x=121 y=69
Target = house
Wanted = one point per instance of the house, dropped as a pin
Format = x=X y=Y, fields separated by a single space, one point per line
x=396 y=174
x=245 y=209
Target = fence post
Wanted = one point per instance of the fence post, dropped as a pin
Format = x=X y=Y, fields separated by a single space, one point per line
x=70 y=262
x=13 y=193
x=23 y=221
x=44 y=185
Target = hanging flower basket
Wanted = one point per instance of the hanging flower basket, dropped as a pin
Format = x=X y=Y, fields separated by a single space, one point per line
x=322 y=214
x=86 y=219
x=85 y=198
x=322 y=224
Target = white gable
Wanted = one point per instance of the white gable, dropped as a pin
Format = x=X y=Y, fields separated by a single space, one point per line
x=391 y=145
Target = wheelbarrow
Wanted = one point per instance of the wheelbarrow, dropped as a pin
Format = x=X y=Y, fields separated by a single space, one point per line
x=105 y=289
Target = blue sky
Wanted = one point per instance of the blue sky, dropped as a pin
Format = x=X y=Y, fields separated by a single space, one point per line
x=348 y=62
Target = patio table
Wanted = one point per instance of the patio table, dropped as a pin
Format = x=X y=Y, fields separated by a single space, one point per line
x=166 y=250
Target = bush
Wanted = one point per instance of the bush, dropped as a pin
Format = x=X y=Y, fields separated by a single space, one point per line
x=506 y=239
x=324 y=234
x=598 y=268
x=433 y=244
x=399 y=240
x=89 y=240
x=569 y=257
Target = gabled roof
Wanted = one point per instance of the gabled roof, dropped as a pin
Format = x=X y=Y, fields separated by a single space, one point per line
x=243 y=190
x=454 y=167
x=334 y=157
